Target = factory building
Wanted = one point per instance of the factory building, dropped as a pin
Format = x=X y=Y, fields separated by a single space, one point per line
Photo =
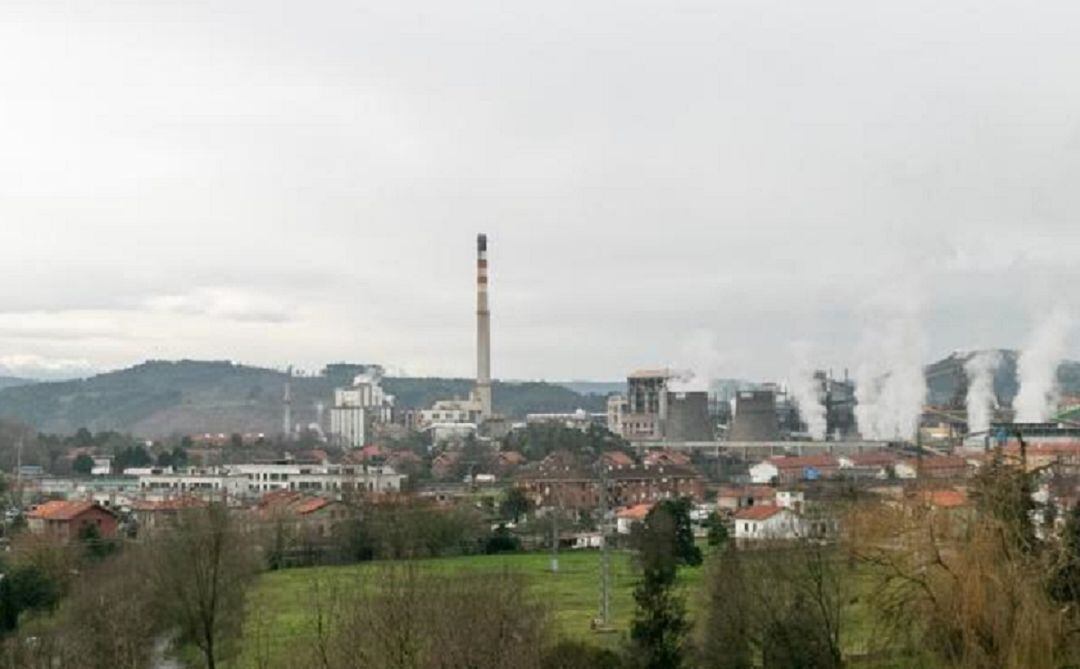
x=947 y=379
x=357 y=408
x=652 y=410
x=755 y=416
x=688 y=417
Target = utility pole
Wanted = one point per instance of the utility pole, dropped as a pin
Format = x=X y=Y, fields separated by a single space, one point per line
x=18 y=472
x=555 y=537
x=604 y=620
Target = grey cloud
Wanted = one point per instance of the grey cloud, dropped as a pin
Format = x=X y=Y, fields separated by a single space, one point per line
x=755 y=171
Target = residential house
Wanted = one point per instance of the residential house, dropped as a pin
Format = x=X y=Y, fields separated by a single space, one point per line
x=764 y=473
x=665 y=457
x=507 y=462
x=577 y=487
x=732 y=498
x=616 y=459
x=878 y=465
x=302 y=514
x=766 y=522
x=933 y=467
x=152 y=516
x=791 y=499
x=66 y=520
x=792 y=469
x=626 y=517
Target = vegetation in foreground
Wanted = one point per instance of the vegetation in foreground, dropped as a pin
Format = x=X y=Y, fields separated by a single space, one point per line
x=908 y=584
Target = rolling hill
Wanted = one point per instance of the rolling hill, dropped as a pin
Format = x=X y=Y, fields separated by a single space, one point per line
x=159 y=398
x=12 y=381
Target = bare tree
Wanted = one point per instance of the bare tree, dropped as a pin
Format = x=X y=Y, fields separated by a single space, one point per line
x=404 y=617
x=954 y=588
x=204 y=566
x=777 y=606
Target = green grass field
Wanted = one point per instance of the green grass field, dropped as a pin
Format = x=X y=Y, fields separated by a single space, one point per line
x=279 y=602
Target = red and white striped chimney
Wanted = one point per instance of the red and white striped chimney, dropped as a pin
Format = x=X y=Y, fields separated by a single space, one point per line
x=483 y=329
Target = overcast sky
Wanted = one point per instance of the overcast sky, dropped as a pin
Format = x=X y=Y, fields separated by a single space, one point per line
x=734 y=186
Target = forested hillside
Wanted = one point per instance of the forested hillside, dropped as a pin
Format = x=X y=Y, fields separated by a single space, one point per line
x=159 y=398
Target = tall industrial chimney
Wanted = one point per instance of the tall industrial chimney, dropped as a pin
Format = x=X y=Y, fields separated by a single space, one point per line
x=483 y=329
x=286 y=419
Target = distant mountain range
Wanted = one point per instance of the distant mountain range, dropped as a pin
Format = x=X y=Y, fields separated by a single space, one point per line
x=160 y=398
x=594 y=387
x=12 y=381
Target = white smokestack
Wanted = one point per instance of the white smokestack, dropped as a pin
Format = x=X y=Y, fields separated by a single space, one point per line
x=890 y=385
x=980 y=400
x=1037 y=368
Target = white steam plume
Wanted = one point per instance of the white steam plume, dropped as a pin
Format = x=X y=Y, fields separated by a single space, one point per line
x=701 y=363
x=890 y=385
x=807 y=393
x=806 y=390
x=980 y=400
x=1037 y=368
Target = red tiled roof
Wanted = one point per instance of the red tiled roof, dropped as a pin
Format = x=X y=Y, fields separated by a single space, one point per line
x=761 y=512
x=756 y=491
x=873 y=459
x=288 y=501
x=617 y=458
x=61 y=510
x=511 y=457
x=171 y=504
x=636 y=512
x=311 y=505
x=947 y=499
x=663 y=457
x=817 y=461
x=940 y=462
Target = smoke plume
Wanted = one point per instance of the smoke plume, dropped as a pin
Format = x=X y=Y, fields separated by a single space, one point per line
x=890 y=385
x=1037 y=368
x=807 y=392
x=980 y=400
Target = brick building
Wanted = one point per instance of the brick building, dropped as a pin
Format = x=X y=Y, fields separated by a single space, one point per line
x=578 y=488
x=66 y=520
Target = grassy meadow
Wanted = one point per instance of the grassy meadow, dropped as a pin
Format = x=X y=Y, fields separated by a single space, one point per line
x=280 y=610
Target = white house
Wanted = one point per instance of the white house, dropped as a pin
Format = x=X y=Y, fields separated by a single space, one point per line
x=102 y=466
x=766 y=522
x=764 y=473
x=790 y=499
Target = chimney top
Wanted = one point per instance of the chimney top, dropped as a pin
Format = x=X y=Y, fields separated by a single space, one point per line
x=481 y=242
